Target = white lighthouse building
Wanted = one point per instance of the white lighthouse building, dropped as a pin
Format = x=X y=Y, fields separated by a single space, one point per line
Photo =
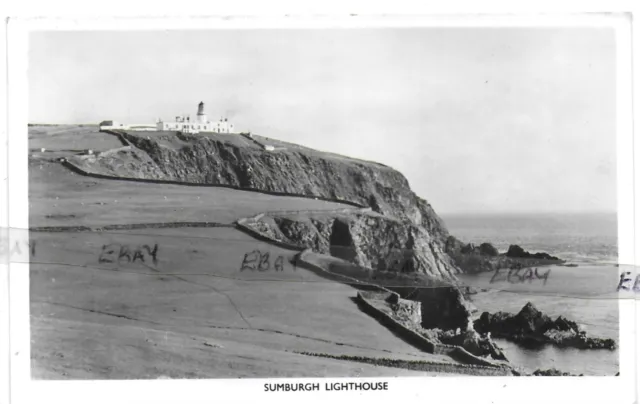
x=200 y=124
x=201 y=117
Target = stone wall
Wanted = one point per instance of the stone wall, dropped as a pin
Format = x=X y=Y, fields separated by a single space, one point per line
x=419 y=341
x=405 y=310
x=424 y=366
x=443 y=307
x=407 y=334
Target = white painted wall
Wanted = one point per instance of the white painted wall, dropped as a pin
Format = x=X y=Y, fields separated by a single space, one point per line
x=194 y=127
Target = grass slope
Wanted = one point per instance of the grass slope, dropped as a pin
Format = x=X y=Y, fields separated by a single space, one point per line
x=60 y=197
x=195 y=293
x=193 y=314
x=70 y=137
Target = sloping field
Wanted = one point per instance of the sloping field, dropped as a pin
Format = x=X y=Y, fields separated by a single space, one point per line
x=182 y=302
x=60 y=197
x=194 y=308
x=292 y=147
x=70 y=137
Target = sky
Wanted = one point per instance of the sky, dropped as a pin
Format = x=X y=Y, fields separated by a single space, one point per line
x=495 y=120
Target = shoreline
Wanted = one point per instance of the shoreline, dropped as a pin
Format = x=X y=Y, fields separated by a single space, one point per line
x=591 y=362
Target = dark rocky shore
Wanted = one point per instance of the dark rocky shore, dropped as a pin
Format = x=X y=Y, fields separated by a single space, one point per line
x=532 y=327
x=485 y=257
x=552 y=372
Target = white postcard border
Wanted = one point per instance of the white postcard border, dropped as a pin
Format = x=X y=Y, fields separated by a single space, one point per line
x=440 y=389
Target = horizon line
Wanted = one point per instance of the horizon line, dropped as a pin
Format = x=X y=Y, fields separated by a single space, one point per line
x=528 y=212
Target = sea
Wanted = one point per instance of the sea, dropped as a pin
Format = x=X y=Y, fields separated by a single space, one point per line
x=584 y=293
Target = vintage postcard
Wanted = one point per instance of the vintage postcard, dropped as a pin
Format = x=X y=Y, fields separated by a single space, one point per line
x=311 y=209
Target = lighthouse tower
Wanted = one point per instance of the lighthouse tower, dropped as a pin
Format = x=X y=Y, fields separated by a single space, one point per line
x=201 y=117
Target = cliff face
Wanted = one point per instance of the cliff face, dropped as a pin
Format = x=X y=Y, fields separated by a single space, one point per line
x=389 y=245
x=367 y=239
x=405 y=221
x=301 y=171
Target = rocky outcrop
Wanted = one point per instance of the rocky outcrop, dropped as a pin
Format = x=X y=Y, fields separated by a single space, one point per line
x=515 y=251
x=485 y=257
x=385 y=244
x=235 y=161
x=366 y=239
x=313 y=234
x=531 y=326
x=443 y=307
x=473 y=342
x=552 y=372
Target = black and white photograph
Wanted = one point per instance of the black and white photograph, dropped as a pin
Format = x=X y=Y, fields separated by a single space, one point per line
x=298 y=204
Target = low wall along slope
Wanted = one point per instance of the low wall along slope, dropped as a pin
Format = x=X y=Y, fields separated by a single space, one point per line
x=416 y=339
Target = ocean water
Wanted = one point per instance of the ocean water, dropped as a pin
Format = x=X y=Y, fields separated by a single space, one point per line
x=585 y=294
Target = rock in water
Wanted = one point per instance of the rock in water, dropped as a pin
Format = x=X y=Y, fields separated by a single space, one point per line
x=531 y=320
x=532 y=326
x=515 y=251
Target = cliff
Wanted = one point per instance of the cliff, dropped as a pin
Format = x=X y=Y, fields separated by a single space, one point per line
x=400 y=222
x=236 y=161
x=365 y=238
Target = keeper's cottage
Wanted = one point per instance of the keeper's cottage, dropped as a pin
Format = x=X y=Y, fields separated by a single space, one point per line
x=200 y=124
